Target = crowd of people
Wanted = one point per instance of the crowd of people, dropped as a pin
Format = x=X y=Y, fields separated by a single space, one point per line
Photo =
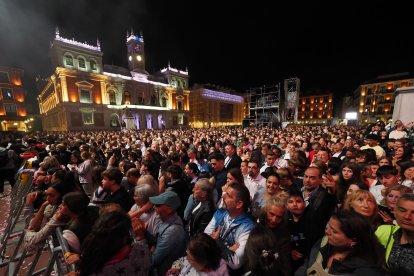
x=304 y=200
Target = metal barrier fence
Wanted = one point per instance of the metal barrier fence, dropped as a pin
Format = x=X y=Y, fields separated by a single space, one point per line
x=12 y=240
x=18 y=197
x=56 y=261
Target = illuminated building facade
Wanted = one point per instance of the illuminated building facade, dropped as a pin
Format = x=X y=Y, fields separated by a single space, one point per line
x=212 y=108
x=84 y=94
x=12 y=102
x=315 y=109
x=377 y=97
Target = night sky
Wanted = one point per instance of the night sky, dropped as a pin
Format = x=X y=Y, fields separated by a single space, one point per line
x=331 y=46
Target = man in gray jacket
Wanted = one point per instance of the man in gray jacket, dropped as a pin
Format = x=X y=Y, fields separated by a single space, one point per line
x=170 y=241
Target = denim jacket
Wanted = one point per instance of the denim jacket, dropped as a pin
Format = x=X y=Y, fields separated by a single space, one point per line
x=237 y=232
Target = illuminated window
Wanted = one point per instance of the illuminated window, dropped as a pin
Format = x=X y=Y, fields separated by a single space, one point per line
x=10 y=109
x=180 y=117
x=4 y=77
x=112 y=98
x=85 y=96
x=68 y=60
x=94 y=67
x=87 y=118
x=127 y=98
x=7 y=93
x=82 y=63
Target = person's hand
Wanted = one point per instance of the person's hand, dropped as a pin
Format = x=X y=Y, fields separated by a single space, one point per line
x=71 y=258
x=60 y=215
x=234 y=247
x=329 y=182
x=383 y=191
x=385 y=217
x=225 y=187
x=44 y=204
x=216 y=235
x=173 y=272
x=138 y=227
x=31 y=198
x=296 y=255
x=112 y=160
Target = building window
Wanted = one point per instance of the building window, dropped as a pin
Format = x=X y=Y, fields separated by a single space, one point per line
x=153 y=100
x=180 y=105
x=127 y=98
x=112 y=98
x=10 y=109
x=174 y=82
x=87 y=118
x=164 y=102
x=141 y=100
x=81 y=62
x=68 y=60
x=7 y=93
x=180 y=118
x=94 y=67
x=4 y=77
x=85 y=96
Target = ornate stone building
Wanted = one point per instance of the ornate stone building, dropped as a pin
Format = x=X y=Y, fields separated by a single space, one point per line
x=213 y=108
x=12 y=102
x=84 y=94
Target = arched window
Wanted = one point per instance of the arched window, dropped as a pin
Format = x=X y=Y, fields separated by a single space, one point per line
x=114 y=120
x=153 y=100
x=81 y=63
x=164 y=101
x=127 y=98
x=94 y=66
x=112 y=98
x=68 y=60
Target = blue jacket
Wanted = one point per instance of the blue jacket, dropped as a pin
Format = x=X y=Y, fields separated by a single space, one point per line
x=237 y=232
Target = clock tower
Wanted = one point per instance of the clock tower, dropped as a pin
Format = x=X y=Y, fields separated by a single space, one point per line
x=136 y=53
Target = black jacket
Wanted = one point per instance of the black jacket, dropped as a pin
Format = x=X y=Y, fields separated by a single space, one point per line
x=234 y=162
x=201 y=218
x=316 y=216
x=350 y=266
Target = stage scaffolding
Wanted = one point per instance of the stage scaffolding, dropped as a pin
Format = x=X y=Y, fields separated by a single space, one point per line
x=264 y=106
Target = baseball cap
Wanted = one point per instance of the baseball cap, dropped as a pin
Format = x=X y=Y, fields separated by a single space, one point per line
x=168 y=198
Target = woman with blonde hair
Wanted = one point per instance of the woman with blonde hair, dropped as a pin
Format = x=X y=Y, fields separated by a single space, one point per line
x=364 y=203
x=389 y=202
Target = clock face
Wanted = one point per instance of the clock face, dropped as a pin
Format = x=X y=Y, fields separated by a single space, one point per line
x=138 y=48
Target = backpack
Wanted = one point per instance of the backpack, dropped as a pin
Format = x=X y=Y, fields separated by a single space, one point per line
x=4 y=157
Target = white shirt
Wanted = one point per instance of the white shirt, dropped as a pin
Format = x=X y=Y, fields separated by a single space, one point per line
x=280 y=163
x=255 y=184
x=376 y=191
